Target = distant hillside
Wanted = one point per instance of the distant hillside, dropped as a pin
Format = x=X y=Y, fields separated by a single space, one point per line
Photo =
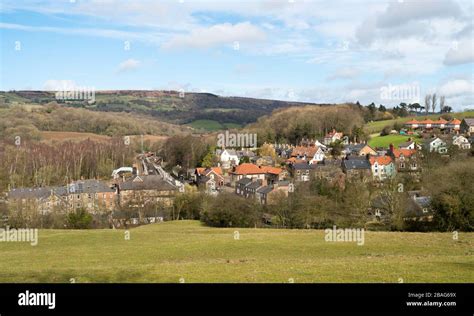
x=30 y=122
x=167 y=105
x=293 y=124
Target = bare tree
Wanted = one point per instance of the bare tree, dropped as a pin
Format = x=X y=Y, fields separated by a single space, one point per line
x=442 y=101
x=434 y=101
x=427 y=102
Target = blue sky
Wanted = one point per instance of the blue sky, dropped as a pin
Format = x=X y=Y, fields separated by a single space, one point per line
x=301 y=50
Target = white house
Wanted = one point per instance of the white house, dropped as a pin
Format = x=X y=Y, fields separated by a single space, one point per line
x=229 y=157
x=332 y=136
x=410 y=144
x=462 y=142
x=318 y=156
x=317 y=143
x=436 y=145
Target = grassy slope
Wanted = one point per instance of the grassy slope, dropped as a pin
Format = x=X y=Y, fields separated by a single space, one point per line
x=169 y=251
x=385 y=141
x=211 y=125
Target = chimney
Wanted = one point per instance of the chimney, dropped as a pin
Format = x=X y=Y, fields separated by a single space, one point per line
x=391 y=147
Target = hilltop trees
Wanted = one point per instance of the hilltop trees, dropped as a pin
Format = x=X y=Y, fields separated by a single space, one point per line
x=293 y=124
x=38 y=164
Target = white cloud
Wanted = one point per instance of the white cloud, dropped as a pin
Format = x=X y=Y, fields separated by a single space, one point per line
x=344 y=73
x=217 y=35
x=128 y=65
x=401 y=12
x=457 y=88
x=462 y=53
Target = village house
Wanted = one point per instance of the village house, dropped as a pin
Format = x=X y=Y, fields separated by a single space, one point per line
x=358 y=150
x=418 y=208
x=409 y=144
x=435 y=145
x=42 y=200
x=228 y=158
x=209 y=178
x=267 y=194
x=312 y=154
x=406 y=160
x=267 y=174
x=382 y=167
x=302 y=171
x=467 y=126
x=257 y=189
x=332 y=136
x=461 y=142
x=356 y=168
x=241 y=184
x=143 y=189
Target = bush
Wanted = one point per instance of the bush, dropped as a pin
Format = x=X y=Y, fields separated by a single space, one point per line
x=230 y=210
x=386 y=130
x=79 y=220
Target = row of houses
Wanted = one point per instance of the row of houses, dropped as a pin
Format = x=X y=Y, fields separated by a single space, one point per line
x=454 y=125
x=95 y=196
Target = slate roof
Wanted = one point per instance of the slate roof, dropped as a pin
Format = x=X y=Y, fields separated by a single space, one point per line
x=151 y=182
x=30 y=193
x=356 y=164
x=77 y=187
x=265 y=189
x=303 y=166
x=244 y=181
x=89 y=186
x=469 y=121
x=405 y=144
x=254 y=185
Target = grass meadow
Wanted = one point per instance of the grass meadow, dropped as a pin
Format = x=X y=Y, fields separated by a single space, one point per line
x=190 y=252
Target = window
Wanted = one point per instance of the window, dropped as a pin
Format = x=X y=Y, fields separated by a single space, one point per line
x=78 y=197
x=402 y=165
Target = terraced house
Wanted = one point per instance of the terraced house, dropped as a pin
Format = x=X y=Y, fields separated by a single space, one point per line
x=454 y=125
x=92 y=195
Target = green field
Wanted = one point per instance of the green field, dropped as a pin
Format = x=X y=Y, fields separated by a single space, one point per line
x=385 y=141
x=186 y=250
x=211 y=125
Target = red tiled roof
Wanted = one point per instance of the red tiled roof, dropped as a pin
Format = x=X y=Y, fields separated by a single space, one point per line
x=206 y=171
x=412 y=122
x=405 y=152
x=272 y=170
x=428 y=121
x=455 y=121
x=250 y=168
x=381 y=160
x=302 y=150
